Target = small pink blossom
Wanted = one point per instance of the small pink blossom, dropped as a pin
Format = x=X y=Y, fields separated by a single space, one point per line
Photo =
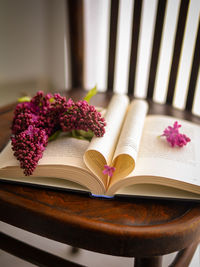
x=173 y=137
x=70 y=102
x=108 y=170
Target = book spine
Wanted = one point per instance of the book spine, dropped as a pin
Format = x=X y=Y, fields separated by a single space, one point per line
x=101 y=196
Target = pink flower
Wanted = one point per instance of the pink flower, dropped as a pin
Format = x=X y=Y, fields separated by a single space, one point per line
x=38 y=119
x=70 y=102
x=108 y=170
x=28 y=147
x=82 y=116
x=173 y=137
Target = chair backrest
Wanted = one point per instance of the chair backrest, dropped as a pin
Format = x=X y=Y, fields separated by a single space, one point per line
x=170 y=57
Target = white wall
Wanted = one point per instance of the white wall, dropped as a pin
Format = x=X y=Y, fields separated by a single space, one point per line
x=58 y=69
x=23 y=38
x=32 y=46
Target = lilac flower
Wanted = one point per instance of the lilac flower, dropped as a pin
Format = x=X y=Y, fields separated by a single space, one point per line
x=42 y=111
x=182 y=140
x=51 y=118
x=173 y=137
x=82 y=116
x=23 y=117
x=41 y=101
x=45 y=111
x=108 y=170
x=22 y=120
x=28 y=147
x=44 y=116
x=69 y=103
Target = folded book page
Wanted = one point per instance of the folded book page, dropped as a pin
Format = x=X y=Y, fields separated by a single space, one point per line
x=125 y=155
x=100 y=151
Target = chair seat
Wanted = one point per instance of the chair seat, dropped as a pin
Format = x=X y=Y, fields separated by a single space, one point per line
x=121 y=227
x=132 y=227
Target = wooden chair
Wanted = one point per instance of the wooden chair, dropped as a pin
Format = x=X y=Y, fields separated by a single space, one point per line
x=144 y=229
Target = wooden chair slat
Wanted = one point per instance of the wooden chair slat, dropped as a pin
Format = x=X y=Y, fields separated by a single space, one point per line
x=177 y=50
x=156 y=46
x=137 y=10
x=112 y=43
x=184 y=257
x=194 y=72
x=32 y=254
x=76 y=42
x=150 y=262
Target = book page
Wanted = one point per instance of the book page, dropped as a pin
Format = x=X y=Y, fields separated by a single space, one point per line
x=65 y=151
x=128 y=145
x=100 y=151
x=158 y=191
x=62 y=158
x=62 y=151
x=7 y=158
x=159 y=163
x=158 y=158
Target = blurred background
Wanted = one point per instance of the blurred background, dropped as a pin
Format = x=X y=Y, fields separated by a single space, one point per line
x=34 y=50
x=32 y=46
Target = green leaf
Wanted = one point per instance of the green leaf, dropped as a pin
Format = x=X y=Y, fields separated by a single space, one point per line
x=88 y=135
x=54 y=136
x=74 y=133
x=24 y=99
x=90 y=94
x=51 y=100
x=82 y=135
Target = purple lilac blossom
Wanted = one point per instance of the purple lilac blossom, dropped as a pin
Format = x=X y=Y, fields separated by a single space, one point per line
x=108 y=170
x=28 y=147
x=35 y=121
x=82 y=116
x=173 y=137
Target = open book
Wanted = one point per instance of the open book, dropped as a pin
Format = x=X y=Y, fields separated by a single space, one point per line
x=145 y=164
